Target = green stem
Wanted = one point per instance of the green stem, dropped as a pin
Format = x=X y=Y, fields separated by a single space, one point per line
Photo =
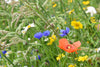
x=8 y=60
x=82 y=9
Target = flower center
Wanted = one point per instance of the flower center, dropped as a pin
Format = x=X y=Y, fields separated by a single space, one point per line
x=77 y=24
x=28 y=26
x=68 y=47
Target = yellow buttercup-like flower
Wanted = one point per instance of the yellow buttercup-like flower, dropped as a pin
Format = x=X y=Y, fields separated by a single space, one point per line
x=57 y=58
x=93 y=19
x=72 y=65
x=60 y=56
x=71 y=11
x=84 y=58
x=70 y=1
x=84 y=8
x=57 y=28
x=86 y=2
x=52 y=39
x=76 y=25
x=54 y=5
x=65 y=22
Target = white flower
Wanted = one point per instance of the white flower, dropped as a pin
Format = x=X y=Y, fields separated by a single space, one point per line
x=16 y=0
x=46 y=39
x=8 y=1
x=32 y=25
x=3 y=43
x=23 y=31
x=97 y=49
x=36 y=42
x=27 y=27
x=25 y=66
x=91 y=10
x=29 y=39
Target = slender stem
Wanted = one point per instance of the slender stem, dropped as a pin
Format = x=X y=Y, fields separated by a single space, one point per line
x=82 y=9
x=8 y=60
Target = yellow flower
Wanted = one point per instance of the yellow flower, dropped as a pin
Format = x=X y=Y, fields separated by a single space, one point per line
x=76 y=58
x=70 y=1
x=54 y=5
x=59 y=56
x=93 y=19
x=62 y=55
x=57 y=28
x=84 y=8
x=65 y=22
x=28 y=26
x=72 y=65
x=86 y=2
x=52 y=39
x=82 y=58
x=96 y=49
x=76 y=25
x=70 y=12
x=88 y=42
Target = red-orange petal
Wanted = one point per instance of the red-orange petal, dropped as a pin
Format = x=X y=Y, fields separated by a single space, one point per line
x=63 y=42
x=77 y=44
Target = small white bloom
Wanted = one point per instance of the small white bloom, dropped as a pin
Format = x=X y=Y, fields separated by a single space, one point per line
x=36 y=42
x=25 y=66
x=27 y=27
x=46 y=39
x=23 y=31
x=16 y=0
x=91 y=10
x=3 y=43
x=98 y=49
x=32 y=25
x=8 y=1
x=29 y=39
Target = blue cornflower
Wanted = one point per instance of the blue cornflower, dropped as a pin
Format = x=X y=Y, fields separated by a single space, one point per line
x=38 y=35
x=64 y=32
x=39 y=57
x=4 y=52
x=46 y=33
x=0 y=55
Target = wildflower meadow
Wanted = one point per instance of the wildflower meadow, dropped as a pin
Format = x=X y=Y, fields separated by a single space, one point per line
x=49 y=33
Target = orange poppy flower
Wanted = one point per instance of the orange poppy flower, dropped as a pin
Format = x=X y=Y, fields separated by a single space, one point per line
x=63 y=44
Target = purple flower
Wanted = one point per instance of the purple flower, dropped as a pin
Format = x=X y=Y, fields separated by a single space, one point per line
x=39 y=57
x=46 y=33
x=0 y=55
x=64 y=32
x=4 y=52
x=38 y=35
